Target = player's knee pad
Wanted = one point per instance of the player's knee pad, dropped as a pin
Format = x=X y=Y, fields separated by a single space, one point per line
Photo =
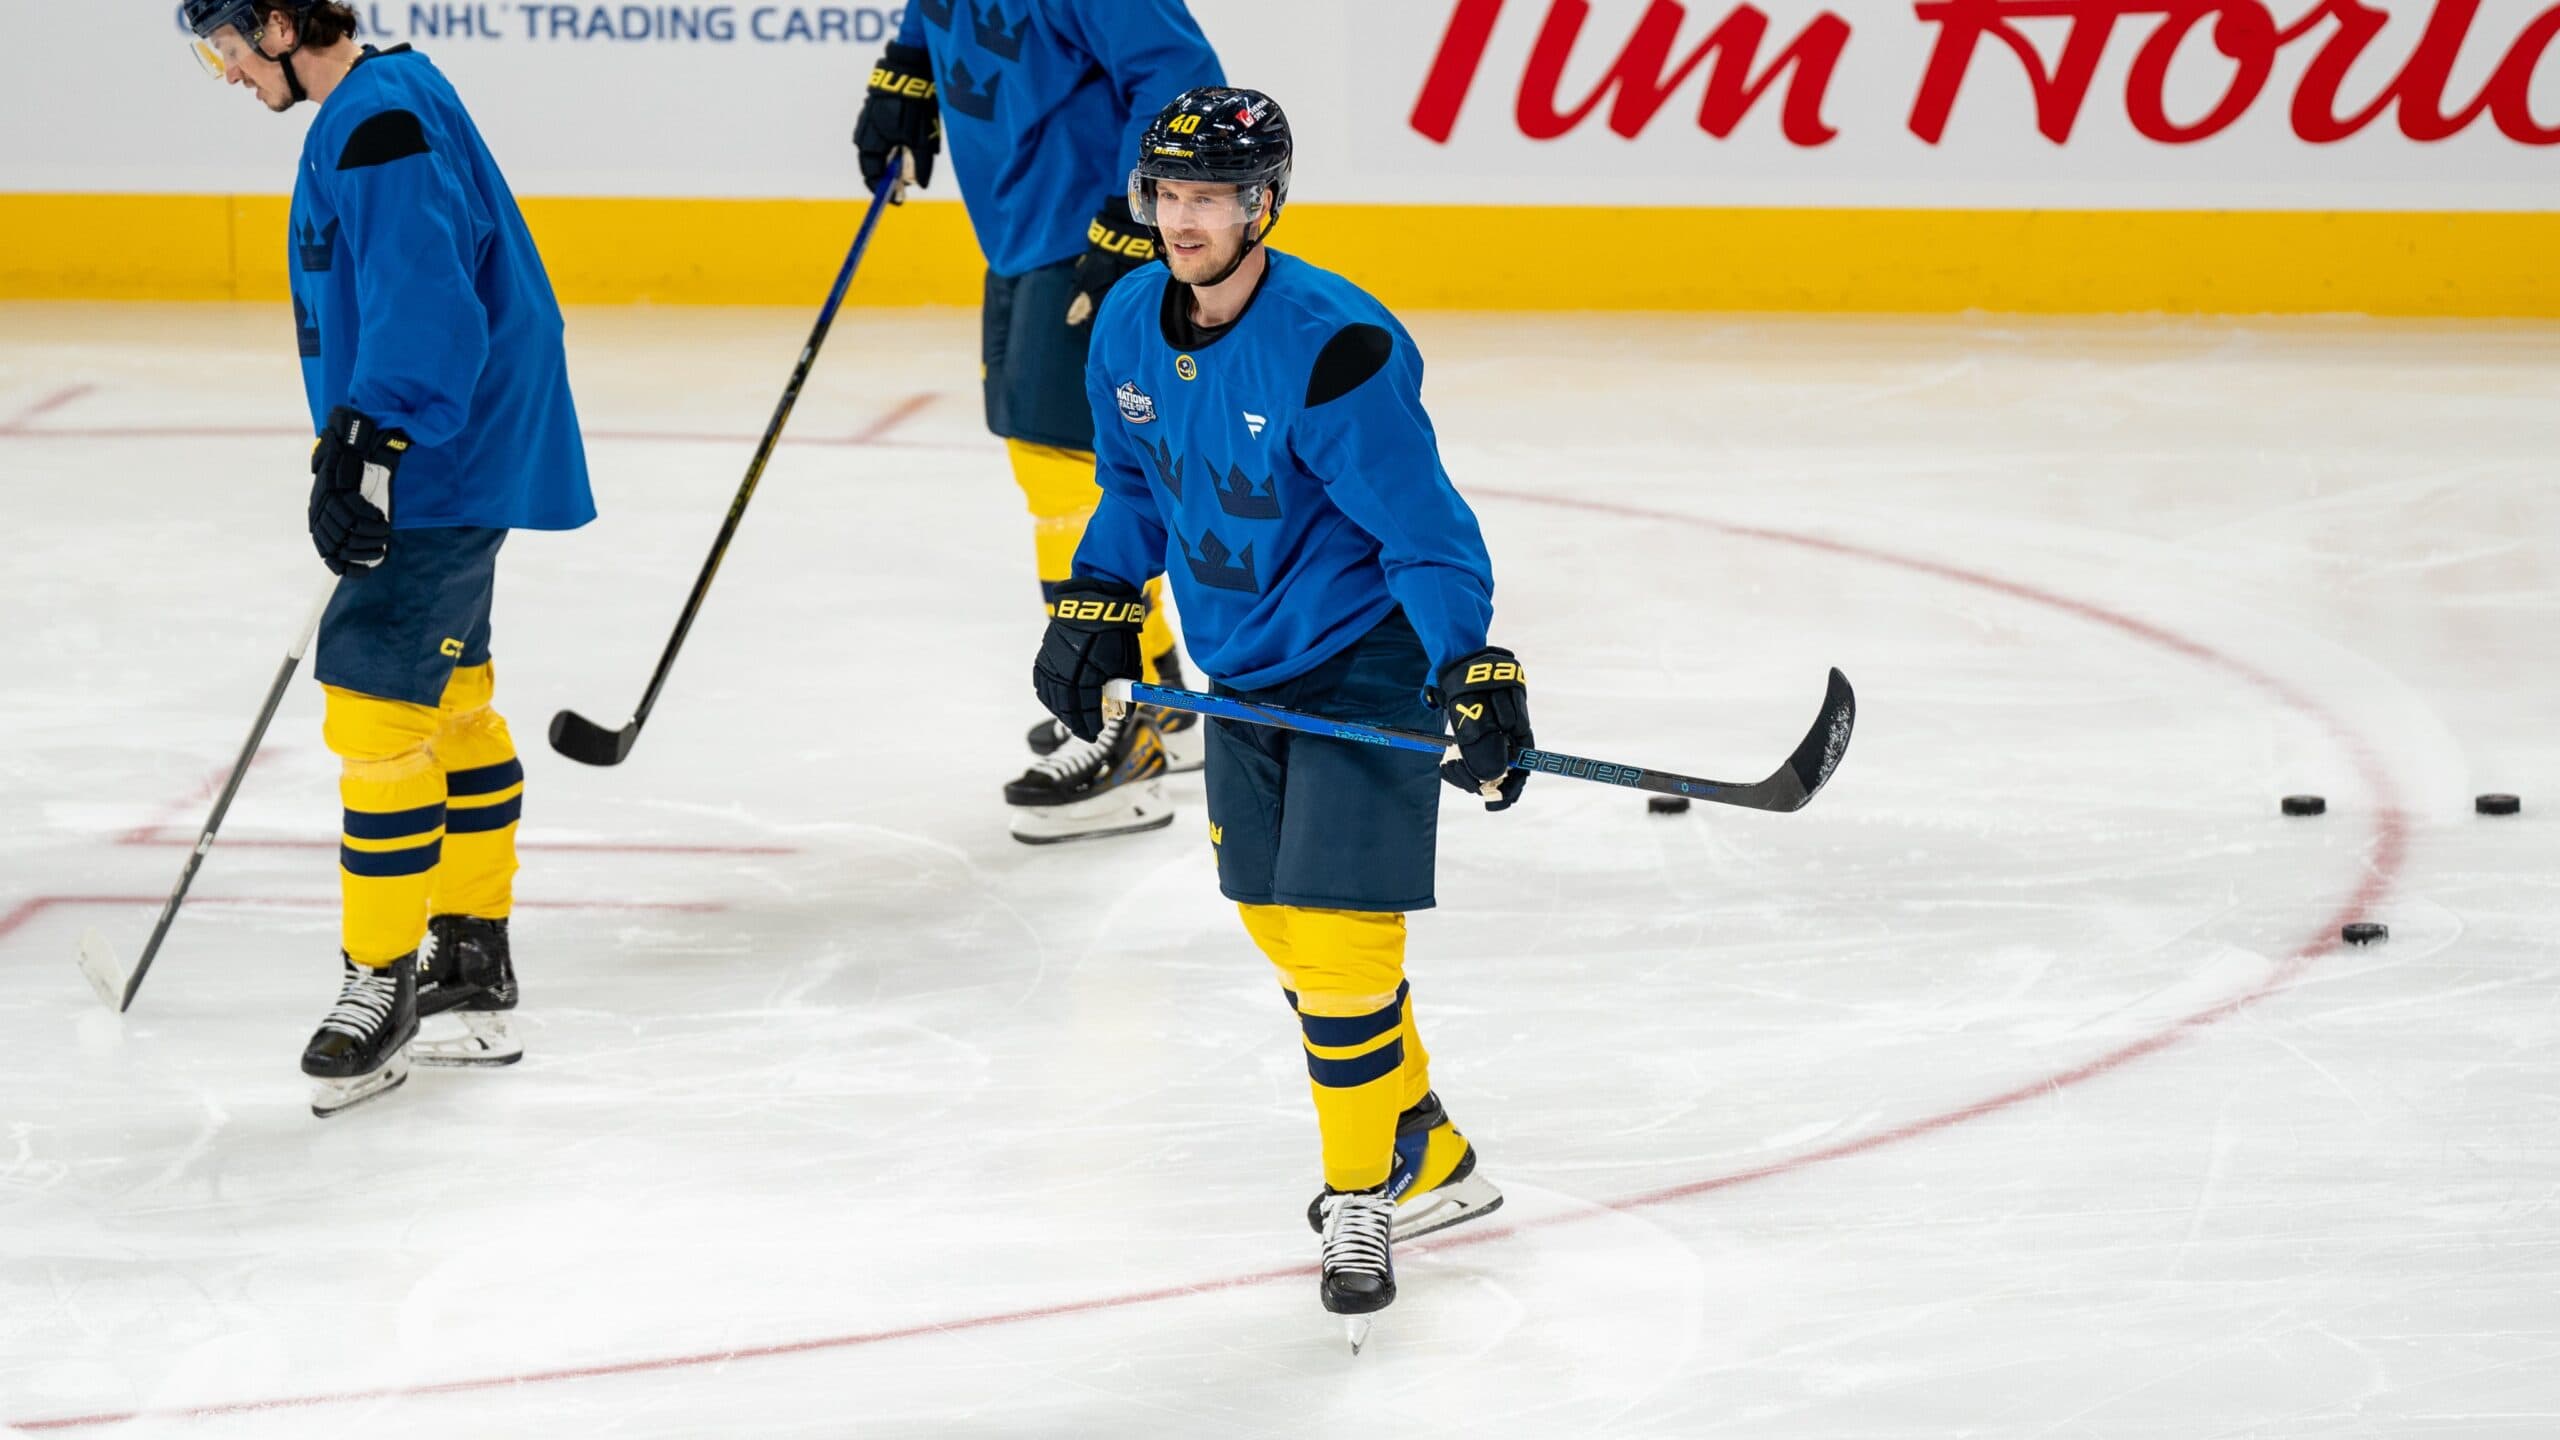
x=367 y=730
x=1059 y=489
x=1055 y=483
x=1352 y=953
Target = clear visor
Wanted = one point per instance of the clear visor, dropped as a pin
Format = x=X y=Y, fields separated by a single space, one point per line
x=215 y=52
x=1194 y=204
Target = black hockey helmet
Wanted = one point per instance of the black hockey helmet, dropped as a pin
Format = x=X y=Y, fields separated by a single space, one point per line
x=203 y=19
x=1218 y=136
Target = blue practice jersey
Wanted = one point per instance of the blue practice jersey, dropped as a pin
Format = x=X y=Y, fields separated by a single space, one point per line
x=420 y=301
x=1043 y=102
x=1282 y=473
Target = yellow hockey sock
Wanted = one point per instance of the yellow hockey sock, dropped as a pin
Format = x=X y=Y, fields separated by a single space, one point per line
x=393 y=835
x=1344 y=970
x=484 y=794
x=1059 y=489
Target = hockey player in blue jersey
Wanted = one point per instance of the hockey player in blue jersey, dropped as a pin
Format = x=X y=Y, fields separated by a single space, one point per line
x=439 y=386
x=1262 y=440
x=1043 y=101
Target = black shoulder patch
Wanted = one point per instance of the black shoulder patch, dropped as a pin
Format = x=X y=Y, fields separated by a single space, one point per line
x=1355 y=353
x=381 y=139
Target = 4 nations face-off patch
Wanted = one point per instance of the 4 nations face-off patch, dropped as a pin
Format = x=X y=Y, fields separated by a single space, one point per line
x=1136 y=405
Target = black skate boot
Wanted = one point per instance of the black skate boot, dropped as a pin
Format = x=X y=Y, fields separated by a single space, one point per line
x=1359 y=1266
x=467 y=971
x=1091 y=788
x=362 y=1046
x=1434 y=1182
x=1186 y=743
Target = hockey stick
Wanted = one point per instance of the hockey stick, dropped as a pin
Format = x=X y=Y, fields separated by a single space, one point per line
x=1791 y=788
x=589 y=743
x=98 y=958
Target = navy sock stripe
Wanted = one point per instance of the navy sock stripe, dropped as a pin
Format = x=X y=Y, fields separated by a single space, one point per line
x=391 y=864
x=1336 y=1031
x=1378 y=1064
x=483 y=819
x=487 y=780
x=394 y=825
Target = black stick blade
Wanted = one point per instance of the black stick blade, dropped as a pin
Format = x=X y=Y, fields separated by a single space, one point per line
x=589 y=743
x=1819 y=754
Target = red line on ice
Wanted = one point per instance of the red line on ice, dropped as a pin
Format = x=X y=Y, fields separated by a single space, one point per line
x=16 y=424
x=2389 y=853
x=897 y=415
x=157 y=833
x=18 y=915
x=158 y=836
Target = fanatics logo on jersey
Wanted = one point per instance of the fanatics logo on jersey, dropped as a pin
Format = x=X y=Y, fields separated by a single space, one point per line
x=1186 y=367
x=1255 y=423
x=1136 y=405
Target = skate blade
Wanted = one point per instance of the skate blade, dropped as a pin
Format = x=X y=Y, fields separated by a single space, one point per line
x=335 y=1096
x=1470 y=1199
x=483 y=1042
x=1355 y=1328
x=1141 y=808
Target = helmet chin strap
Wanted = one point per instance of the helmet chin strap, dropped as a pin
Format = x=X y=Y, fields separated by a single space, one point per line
x=1247 y=248
x=292 y=77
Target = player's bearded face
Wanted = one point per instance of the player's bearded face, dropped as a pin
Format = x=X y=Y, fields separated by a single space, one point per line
x=242 y=65
x=1204 y=228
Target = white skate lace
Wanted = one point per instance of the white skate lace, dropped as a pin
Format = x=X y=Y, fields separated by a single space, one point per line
x=1079 y=758
x=1355 y=1233
x=364 y=1004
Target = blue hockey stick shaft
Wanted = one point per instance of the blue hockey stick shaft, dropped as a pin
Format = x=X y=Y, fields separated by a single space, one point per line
x=1794 y=784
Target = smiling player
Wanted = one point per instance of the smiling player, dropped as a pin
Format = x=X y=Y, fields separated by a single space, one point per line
x=1262 y=441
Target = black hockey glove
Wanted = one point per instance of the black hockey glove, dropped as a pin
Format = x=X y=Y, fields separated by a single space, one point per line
x=900 y=114
x=1092 y=640
x=1115 y=244
x=1487 y=697
x=351 y=470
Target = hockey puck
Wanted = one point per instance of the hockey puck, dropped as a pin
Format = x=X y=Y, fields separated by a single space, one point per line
x=2305 y=805
x=1667 y=805
x=2365 y=932
x=2497 y=805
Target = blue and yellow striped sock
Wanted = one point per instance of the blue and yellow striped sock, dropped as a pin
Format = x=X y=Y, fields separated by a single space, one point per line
x=484 y=798
x=392 y=838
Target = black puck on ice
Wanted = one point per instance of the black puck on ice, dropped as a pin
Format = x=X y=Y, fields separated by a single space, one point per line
x=2497 y=805
x=1667 y=805
x=2305 y=805
x=2365 y=932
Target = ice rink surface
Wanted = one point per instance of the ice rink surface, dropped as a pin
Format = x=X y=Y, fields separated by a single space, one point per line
x=2019 y=1087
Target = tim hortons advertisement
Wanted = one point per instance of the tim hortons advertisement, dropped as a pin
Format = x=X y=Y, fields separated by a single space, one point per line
x=2321 y=103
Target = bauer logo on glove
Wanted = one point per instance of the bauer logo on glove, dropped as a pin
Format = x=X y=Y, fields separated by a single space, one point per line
x=1092 y=641
x=1487 y=697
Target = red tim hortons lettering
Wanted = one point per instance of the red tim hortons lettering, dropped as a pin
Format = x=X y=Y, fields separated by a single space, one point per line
x=1644 y=76
x=2247 y=35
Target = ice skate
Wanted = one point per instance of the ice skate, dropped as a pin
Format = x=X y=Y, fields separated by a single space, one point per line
x=1434 y=1182
x=1087 y=789
x=361 y=1049
x=1357 y=1256
x=1186 y=740
x=467 y=977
